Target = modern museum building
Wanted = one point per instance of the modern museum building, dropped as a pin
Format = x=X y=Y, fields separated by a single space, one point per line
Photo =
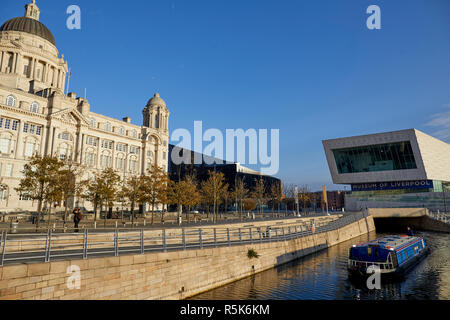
x=405 y=168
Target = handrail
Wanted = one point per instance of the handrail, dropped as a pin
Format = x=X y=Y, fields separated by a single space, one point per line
x=19 y=248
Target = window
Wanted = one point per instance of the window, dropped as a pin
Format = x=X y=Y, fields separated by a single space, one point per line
x=33 y=128
x=90 y=159
x=121 y=130
x=92 y=122
x=133 y=165
x=25 y=127
x=38 y=130
x=119 y=163
x=381 y=157
x=3 y=194
x=156 y=121
x=5 y=145
x=63 y=152
x=91 y=141
x=24 y=196
x=64 y=136
x=26 y=70
x=11 y=101
x=106 y=161
x=107 y=144
x=107 y=126
x=9 y=170
x=134 y=134
x=34 y=107
x=15 y=124
x=30 y=148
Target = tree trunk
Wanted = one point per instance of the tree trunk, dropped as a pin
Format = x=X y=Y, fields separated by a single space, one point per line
x=39 y=214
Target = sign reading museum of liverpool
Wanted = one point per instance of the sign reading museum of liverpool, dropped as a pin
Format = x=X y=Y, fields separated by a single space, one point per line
x=416 y=184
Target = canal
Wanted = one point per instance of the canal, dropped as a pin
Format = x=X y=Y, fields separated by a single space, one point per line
x=323 y=276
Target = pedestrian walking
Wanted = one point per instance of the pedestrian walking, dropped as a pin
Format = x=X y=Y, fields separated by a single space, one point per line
x=77 y=218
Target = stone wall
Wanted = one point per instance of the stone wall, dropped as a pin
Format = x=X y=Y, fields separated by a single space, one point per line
x=168 y=275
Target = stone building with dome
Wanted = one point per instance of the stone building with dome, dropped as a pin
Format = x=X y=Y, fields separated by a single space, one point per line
x=36 y=116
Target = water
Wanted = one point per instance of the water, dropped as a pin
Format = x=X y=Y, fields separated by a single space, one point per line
x=323 y=276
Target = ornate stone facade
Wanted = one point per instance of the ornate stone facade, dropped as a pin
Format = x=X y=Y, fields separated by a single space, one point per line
x=37 y=117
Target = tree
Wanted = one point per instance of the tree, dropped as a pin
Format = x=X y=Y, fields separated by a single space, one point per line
x=304 y=196
x=212 y=190
x=249 y=204
x=133 y=191
x=40 y=180
x=226 y=197
x=183 y=193
x=69 y=183
x=288 y=192
x=276 y=194
x=102 y=189
x=240 y=193
x=154 y=188
x=259 y=192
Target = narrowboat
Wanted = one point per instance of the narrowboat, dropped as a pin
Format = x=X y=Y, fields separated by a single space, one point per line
x=394 y=255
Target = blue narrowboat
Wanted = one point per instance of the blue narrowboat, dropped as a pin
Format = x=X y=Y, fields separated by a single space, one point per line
x=394 y=255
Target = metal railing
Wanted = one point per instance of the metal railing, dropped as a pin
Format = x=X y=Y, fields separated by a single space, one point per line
x=50 y=246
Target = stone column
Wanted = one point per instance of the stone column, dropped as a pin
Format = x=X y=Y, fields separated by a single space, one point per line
x=1 y=60
x=44 y=140
x=19 y=68
x=55 y=72
x=19 y=144
x=33 y=68
x=98 y=153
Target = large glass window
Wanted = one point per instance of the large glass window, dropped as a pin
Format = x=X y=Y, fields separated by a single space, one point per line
x=381 y=157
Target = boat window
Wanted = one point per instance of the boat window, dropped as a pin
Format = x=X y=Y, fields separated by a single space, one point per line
x=369 y=251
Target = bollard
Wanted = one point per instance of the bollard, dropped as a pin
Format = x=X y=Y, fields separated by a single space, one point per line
x=13 y=226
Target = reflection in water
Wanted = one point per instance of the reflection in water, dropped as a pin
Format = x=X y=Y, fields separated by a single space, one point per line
x=323 y=275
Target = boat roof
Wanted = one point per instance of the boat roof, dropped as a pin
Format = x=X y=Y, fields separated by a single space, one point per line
x=395 y=242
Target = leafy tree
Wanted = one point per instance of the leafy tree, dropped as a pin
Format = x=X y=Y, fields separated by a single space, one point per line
x=240 y=193
x=212 y=190
x=133 y=191
x=304 y=196
x=102 y=189
x=249 y=204
x=288 y=193
x=70 y=185
x=40 y=180
x=259 y=192
x=183 y=193
x=276 y=194
x=154 y=188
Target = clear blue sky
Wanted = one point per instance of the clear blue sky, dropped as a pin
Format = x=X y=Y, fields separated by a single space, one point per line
x=308 y=67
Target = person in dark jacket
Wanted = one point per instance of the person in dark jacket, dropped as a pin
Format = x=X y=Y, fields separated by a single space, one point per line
x=76 y=218
x=410 y=232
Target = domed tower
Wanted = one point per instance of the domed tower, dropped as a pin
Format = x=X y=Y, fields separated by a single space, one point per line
x=29 y=59
x=156 y=114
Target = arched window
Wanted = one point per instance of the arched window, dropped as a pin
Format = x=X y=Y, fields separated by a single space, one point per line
x=92 y=121
x=11 y=101
x=108 y=126
x=34 y=107
x=121 y=130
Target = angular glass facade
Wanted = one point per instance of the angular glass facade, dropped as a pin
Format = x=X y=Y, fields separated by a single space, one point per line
x=380 y=157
